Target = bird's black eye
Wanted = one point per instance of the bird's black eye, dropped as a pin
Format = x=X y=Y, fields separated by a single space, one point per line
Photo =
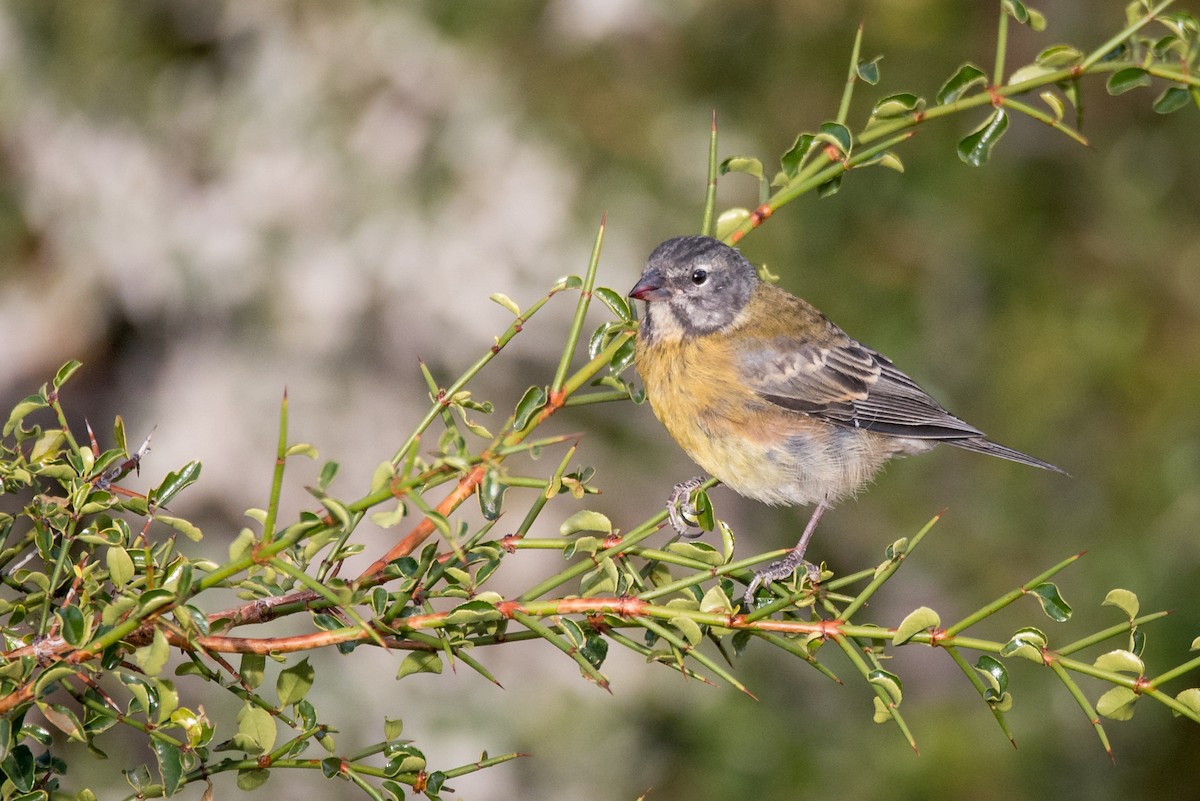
x=699 y=276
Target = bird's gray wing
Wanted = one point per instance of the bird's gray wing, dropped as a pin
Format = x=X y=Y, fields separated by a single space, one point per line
x=847 y=383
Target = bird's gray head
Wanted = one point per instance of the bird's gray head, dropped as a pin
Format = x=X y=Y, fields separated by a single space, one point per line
x=693 y=285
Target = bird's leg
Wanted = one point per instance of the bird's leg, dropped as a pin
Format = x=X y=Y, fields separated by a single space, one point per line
x=680 y=507
x=788 y=564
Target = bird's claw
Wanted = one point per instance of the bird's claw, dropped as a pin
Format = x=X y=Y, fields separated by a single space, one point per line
x=778 y=570
x=680 y=509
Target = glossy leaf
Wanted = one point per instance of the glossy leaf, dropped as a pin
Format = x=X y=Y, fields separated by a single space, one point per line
x=72 y=625
x=1122 y=81
x=1027 y=643
x=1052 y=602
x=533 y=399
x=868 y=71
x=791 y=160
x=995 y=673
x=175 y=483
x=65 y=372
x=960 y=83
x=170 y=766
x=491 y=494
x=976 y=148
x=616 y=303
x=897 y=105
x=836 y=135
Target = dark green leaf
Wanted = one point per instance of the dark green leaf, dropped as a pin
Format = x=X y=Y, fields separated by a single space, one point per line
x=18 y=767
x=533 y=399
x=836 y=134
x=897 y=105
x=794 y=157
x=170 y=766
x=1052 y=602
x=491 y=494
x=1173 y=98
x=623 y=357
x=830 y=187
x=615 y=302
x=595 y=649
x=868 y=71
x=73 y=627
x=976 y=148
x=995 y=673
x=174 y=483
x=1015 y=9
x=248 y=780
x=968 y=75
x=294 y=682
x=1122 y=81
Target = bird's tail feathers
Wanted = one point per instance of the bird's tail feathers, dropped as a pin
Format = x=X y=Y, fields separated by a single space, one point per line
x=981 y=445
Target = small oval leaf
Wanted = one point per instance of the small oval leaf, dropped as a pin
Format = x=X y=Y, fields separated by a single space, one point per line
x=918 y=620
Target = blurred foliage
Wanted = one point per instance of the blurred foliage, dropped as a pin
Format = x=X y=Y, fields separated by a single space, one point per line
x=1053 y=294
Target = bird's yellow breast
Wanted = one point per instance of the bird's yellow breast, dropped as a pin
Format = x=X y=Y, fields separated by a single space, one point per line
x=760 y=450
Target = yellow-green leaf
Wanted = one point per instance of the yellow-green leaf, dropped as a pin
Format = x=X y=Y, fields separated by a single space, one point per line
x=916 y=621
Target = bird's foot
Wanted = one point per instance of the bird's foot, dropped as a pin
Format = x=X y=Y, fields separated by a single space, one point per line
x=680 y=509
x=778 y=570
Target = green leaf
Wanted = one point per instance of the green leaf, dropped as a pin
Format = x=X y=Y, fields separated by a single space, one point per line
x=750 y=166
x=72 y=626
x=256 y=730
x=472 y=612
x=1189 y=698
x=960 y=83
x=491 y=494
x=1124 y=600
x=1173 y=98
x=995 y=673
x=616 y=303
x=392 y=728
x=1052 y=602
x=976 y=148
x=152 y=658
x=868 y=71
x=175 y=483
x=1122 y=81
x=699 y=551
x=1059 y=56
x=120 y=566
x=1028 y=73
x=65 y=372
x=63 y=719
x=506 y=302
x=794 y=157
x=728 y=220
x=184 y=527
x=252 y=779
x=30 y=404
x=251 y=671
x=837 y=135
x=1026 y=643
x=889 y=682
x=170 y=766
x=585 y=521
x=294 y=682
x=420 y=662
x=1122 y=662
x=1015 y=9
x=897 y=105
x=830 y=187
x=689 y=628
x=918 y=620
x=533 y=399
x=1117 y=703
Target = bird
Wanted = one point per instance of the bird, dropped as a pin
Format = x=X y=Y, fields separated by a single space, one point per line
x=770 y=397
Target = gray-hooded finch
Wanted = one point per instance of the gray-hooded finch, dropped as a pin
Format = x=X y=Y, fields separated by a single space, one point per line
x=770 y=397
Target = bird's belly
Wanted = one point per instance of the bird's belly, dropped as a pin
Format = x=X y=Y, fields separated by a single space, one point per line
x=760 y=450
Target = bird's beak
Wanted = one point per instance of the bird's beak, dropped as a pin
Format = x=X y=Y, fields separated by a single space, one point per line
x=650 y=287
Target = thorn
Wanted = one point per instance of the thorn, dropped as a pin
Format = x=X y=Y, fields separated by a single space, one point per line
x=604 y=218
x=714 y=120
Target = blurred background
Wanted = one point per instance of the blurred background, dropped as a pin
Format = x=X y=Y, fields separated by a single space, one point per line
x=206 y=202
